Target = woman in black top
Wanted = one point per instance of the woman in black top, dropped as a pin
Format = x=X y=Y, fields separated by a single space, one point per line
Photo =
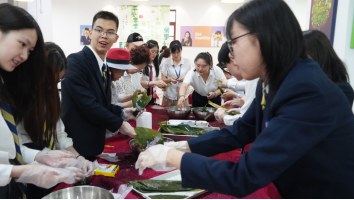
x=320 y=50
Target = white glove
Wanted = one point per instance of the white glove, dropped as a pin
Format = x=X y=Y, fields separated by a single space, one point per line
x=79 y=174
x=87 y=166
x=235 y=110
x=45 y=176
x=218 y=114
x=56 y=158
x=128 y=113
x=127 y=129
x=155 y=158
x=181 y=145
x=111 y=157
x=123 y=191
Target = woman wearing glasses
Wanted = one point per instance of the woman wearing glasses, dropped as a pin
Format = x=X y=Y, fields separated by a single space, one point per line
x=151 y=73
x=300 y=123
x=202 y=79
x=173 y=71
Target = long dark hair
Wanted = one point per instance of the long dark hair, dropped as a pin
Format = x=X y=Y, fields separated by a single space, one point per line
x=151 y=44
x=56 y=58
x=27 y=89
x=166 y=53
x=281 y=43
x=319 y=48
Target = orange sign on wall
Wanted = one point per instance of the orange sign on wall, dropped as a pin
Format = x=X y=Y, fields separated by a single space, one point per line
x=202 y=37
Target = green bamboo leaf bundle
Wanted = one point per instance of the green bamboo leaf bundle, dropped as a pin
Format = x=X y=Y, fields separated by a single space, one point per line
x=145 y=135
x=161 y=196
x=141 y=103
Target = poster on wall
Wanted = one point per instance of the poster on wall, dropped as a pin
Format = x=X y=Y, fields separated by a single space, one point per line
x=202 y=36
x=323 y=17
x=84 y=34
x=152 y=22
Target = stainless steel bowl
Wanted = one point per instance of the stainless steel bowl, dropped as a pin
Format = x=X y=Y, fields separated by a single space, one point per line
x=202 y=115
x=81 y=192
x=136 y=149
x=174 y=112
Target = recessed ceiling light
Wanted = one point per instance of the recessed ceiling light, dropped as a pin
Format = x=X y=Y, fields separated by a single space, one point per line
x=232 y=1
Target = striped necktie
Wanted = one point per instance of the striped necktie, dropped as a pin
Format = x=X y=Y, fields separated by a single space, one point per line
x=10 y=121
x=104 y=76
x=263 y=102
x=51 y=144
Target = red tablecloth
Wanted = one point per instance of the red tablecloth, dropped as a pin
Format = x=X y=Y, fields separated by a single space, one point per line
x=127 y=172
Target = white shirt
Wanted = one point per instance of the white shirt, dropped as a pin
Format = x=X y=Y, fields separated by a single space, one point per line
x=169 y=69
x=122 y=86
x=154 y=78
x=250 y=94
x=99 y=60
x=195 y=80
x=136 y=80
x=8 y=151
x=63 y=140
x=235 y=84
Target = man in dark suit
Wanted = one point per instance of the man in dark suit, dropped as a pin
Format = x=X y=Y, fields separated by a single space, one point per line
x=86 y=91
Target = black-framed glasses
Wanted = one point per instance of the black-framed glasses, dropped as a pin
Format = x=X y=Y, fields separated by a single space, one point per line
x=100 y=32
x=233 y=41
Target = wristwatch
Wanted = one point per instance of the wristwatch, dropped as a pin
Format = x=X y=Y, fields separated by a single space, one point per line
x=238 y=96
x=215 y=94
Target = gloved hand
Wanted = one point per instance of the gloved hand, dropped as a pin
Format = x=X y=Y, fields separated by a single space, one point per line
x=219 y=115
x=55 y=158
x=87 y=166
x=155 y=158
x=128 y=114
x=79 y=174
x=235 y=110
x=45 y=176
x=127 y=129
x=181 y=145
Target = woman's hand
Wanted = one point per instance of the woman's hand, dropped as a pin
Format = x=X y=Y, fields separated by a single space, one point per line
x=161 y=84
x=173 y=80
x=141 y=90
x=155 y=158
x=180 y=79
x=229 y=95
x=55 y=158
x=219 y=115
x=181 y=101
x=233 y=103
x=224 y=84
x=211 y=95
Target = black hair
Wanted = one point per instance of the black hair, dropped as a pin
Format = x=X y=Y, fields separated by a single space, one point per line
x=107 y=16
x=218 y=32
x=206 y=56
x=151 y=44
x=223 y=56
x=56 y=57
x=319 y=48
x=175 y=45
x=166 y=53
x=281 y=43
x=188 y=33
x=28 y=89
x=163 y=48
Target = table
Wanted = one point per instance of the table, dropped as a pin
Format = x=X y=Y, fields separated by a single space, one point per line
x=127 y=172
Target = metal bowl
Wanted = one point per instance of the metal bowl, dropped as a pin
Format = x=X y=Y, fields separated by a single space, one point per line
x=202 y=115
x=136 y=149
x=174 y=112
x=81 y=192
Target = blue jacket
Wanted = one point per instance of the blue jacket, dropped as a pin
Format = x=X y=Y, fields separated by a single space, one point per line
x=306 y=150
x=86 y=107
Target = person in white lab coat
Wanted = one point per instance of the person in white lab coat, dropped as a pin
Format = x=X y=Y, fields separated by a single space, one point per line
x=24 y=91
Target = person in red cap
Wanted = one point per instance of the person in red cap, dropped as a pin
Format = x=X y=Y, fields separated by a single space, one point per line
x=119 y=61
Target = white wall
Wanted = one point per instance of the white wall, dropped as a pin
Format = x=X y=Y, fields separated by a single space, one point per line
x=342 y=35
x=69 y=14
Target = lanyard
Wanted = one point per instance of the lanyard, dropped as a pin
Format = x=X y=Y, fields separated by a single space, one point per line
x=180 y=67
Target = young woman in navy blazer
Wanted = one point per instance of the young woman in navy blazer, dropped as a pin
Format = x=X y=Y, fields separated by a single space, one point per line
x=300 y=123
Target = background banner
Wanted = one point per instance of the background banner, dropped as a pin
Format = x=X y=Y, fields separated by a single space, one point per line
x=202 y=36
x=152 y=22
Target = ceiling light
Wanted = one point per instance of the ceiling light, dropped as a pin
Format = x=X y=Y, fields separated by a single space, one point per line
x=232 y=1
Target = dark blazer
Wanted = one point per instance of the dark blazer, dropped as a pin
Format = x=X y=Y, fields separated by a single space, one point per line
x=348 y=91
x=85 y=41
x=86 y=108
x=306 y=150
